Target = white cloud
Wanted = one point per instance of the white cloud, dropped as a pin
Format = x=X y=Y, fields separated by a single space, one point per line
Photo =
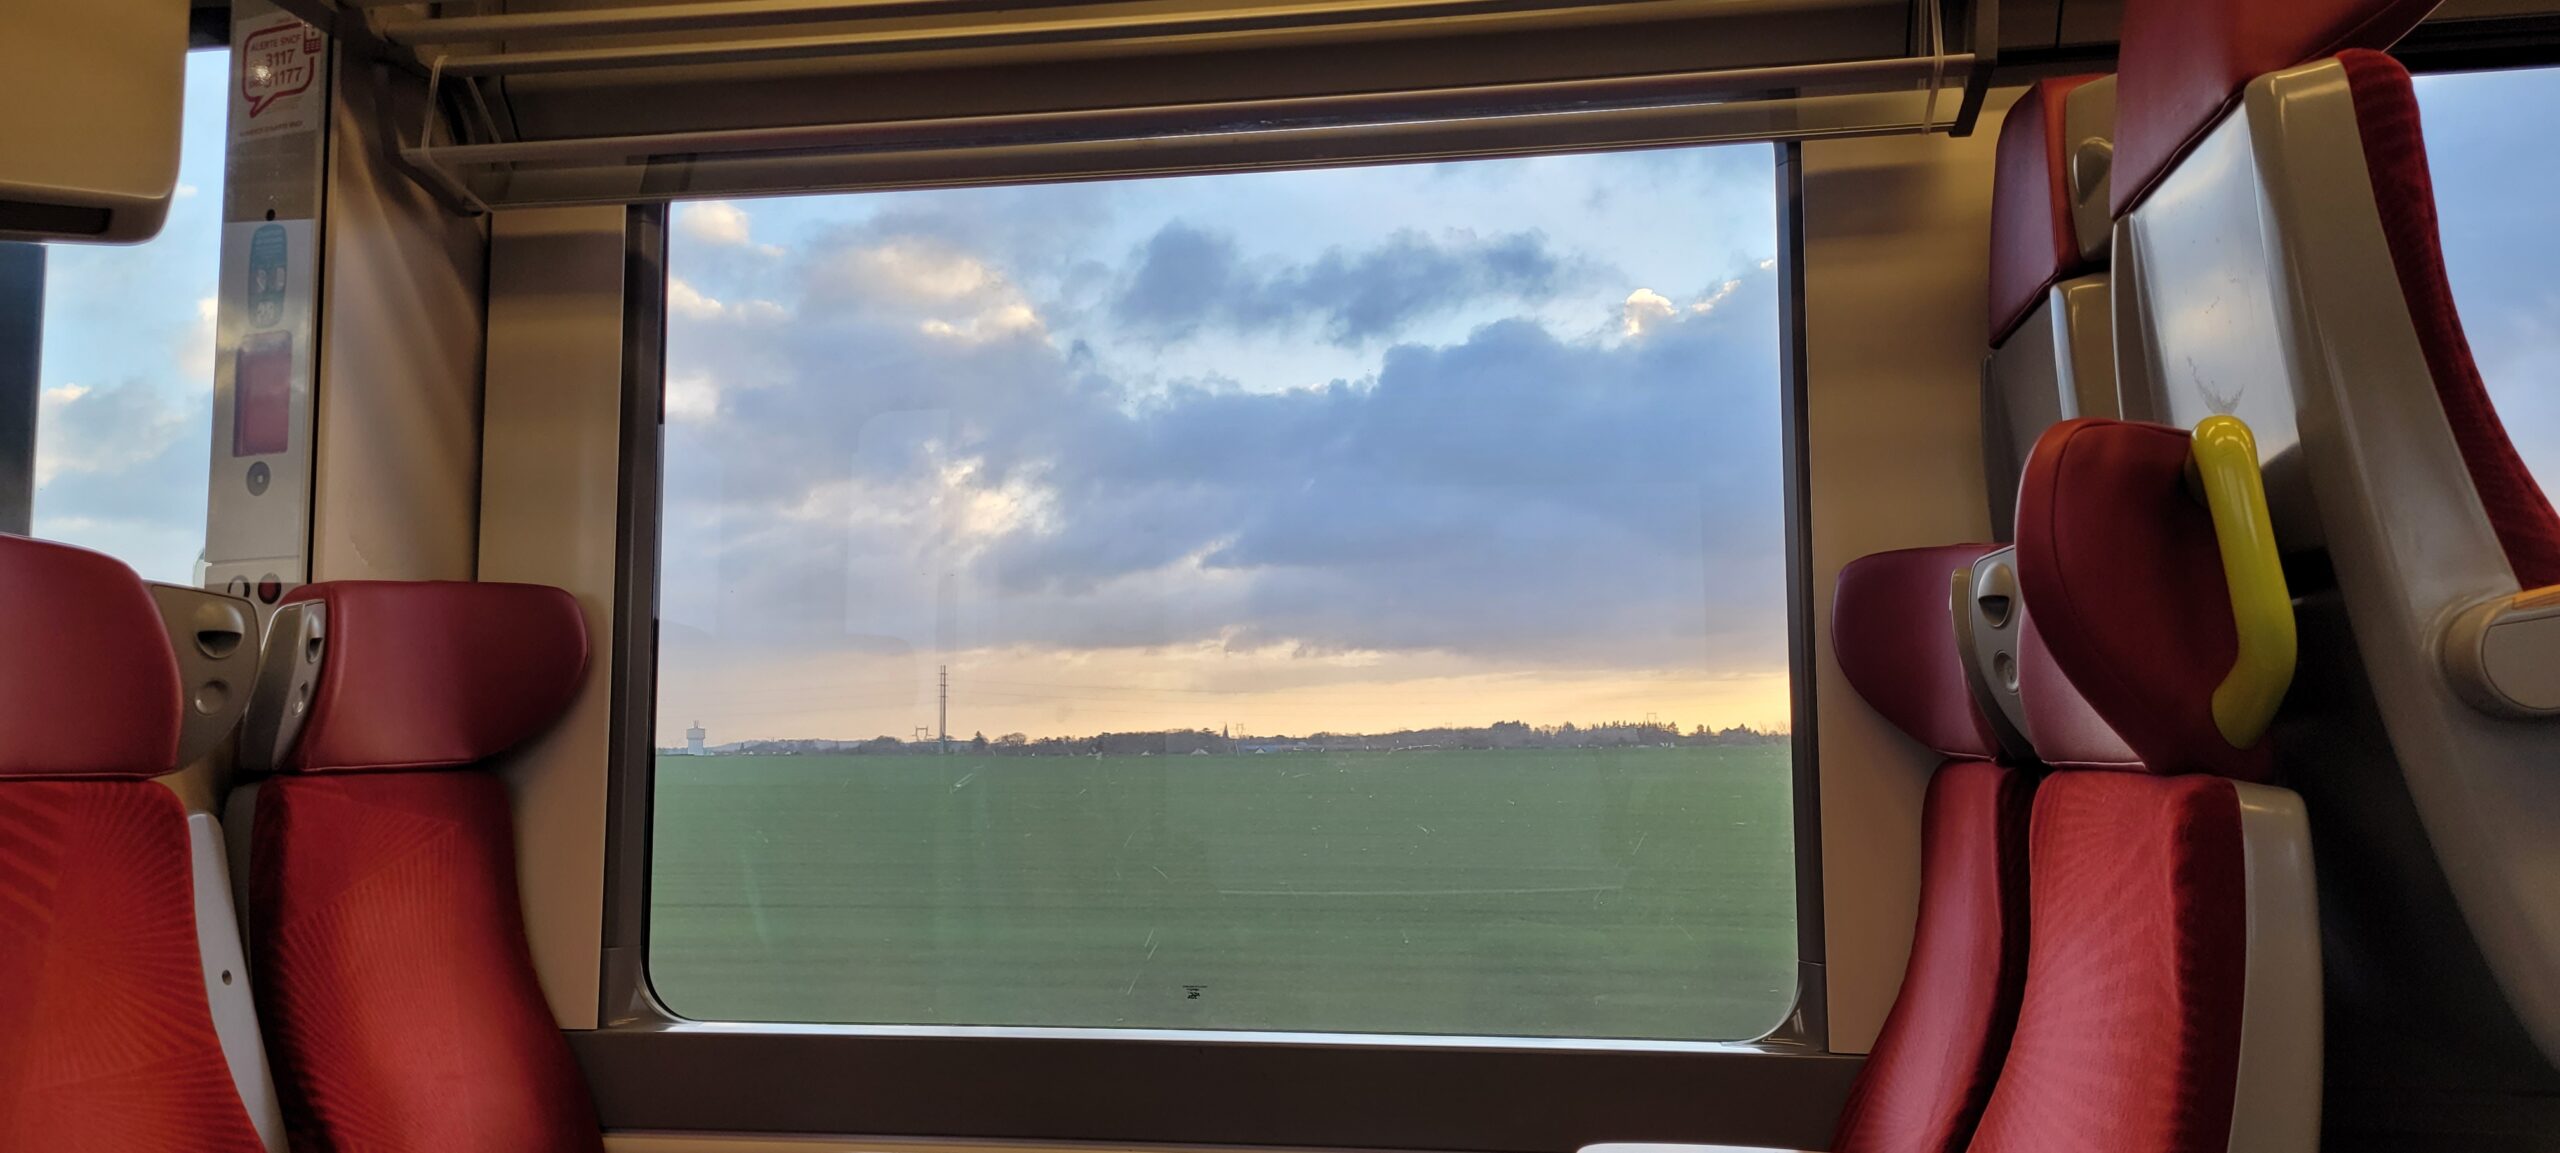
x=691 y=303
x=685 y=300
x=1001 y=320
x=692 y=397
x=196 y=349
x=712 y=221
x=948 y=294
x=917 y=271
x=1722 y=293
x=1643 y=307
x=719 y=222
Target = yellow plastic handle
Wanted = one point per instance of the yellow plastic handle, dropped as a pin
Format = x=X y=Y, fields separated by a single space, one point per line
x=2226 y=464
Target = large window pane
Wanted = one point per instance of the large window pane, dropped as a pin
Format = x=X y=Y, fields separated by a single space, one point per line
x=1339 y=601
x=124 y=429
x=2488 y=144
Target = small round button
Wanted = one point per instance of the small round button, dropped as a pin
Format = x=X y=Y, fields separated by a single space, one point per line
x=258 y=478
x=270 y=587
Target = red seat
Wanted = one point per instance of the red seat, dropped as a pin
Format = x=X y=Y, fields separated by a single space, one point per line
x=2035 y=240
x=107 y=1039
x=1934 y=1063
x=2272 y=163
x=2173 y=982
x=392 y=970
x=2184 y=63
x=2395 y=150
x=2051 y=348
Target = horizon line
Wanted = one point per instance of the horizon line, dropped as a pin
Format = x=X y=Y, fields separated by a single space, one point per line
x=1229 y=735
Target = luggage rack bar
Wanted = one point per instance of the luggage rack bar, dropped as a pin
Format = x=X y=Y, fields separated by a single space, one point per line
x=604 y=104
x=1879 y=97
x=1035 y=21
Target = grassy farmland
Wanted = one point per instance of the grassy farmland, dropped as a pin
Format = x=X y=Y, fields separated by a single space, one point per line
x=1595 y=893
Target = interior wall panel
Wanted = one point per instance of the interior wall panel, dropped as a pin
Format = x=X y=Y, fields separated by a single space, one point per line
x=2090 y=21
x=549 y=488
x=1896 y=263
x=397 y=492
x=2029 y=23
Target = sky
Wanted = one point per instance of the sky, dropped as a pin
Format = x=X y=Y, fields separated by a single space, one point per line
x=1288 y=452
x=2489 y=146
x=1351 y=450
x=124 y=428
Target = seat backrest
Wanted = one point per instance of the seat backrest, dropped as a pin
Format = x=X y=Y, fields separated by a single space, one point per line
x=1941 y=1047
x=2289 y=186
x=2172 y=1002
x=107 y=1037
x=2052 y=350
x=388 y=943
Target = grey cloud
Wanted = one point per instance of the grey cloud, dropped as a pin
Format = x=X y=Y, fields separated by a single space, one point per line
x=117 y=453
x=1515 y=495
x=1188 y=280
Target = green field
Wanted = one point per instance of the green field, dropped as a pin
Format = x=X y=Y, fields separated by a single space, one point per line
x=1584 y=893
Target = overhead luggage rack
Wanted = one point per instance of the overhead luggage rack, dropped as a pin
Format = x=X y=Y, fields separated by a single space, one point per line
x=596 y=102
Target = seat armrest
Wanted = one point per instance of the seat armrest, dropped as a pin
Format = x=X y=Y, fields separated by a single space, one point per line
x=2503 y=656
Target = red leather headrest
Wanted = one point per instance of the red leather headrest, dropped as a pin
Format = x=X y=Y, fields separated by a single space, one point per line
x=2180 y=63
x=2033 y=245
x=1893 y=630
x=2123 y=578
x=88 y=685
x=433 y=674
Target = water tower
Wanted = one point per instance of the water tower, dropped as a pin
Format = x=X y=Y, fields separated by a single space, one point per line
x=693 y=738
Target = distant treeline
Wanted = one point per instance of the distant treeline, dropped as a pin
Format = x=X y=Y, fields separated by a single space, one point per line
x=1186 y=742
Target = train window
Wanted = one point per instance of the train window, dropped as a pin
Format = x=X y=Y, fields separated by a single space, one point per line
x=124 y=426
x=1335 y=602
x=2487 y=144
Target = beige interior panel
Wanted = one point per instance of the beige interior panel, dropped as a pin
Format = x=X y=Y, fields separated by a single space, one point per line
x=398 y=486
x=549 y=485
x=89 y=149
x=1896 y=317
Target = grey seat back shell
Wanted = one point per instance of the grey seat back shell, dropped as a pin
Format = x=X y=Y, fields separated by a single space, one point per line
x=2272 y=219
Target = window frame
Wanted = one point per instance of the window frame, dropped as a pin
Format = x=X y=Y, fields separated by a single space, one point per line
x=22 y=268
x=654 y=1070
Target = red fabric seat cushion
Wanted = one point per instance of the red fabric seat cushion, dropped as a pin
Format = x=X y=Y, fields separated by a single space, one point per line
x=393 y=975
x=1933 y=1066
x=2395 y=151
x=2129 y=1038
x=2033 y=244
x=106 y=1038
x=2120 y=567
x=88 y=685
